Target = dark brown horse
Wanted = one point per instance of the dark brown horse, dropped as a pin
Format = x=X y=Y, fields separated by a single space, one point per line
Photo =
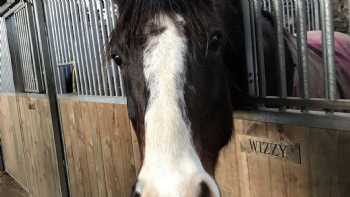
x=183 y=62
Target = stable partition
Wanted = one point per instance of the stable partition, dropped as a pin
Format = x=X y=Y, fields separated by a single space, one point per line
x=28 y=143
x=99 y=146
x=272 y=156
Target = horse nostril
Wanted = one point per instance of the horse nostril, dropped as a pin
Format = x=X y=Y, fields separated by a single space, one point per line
x=204 y=190
x=135 y=194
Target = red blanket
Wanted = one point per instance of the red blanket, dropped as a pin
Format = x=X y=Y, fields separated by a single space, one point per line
x=316 y=68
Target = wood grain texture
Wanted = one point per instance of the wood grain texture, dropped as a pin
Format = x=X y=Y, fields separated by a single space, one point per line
x=12 y=139
x=323 y=171
x=30 y=152
x=99 y=148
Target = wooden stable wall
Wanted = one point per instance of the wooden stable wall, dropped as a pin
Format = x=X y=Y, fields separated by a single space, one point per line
x=28 y=144
x=99 y=148
x=323 y=170
x=102 y=159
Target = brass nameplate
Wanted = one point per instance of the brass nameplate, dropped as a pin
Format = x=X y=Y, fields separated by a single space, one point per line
x=267 y=147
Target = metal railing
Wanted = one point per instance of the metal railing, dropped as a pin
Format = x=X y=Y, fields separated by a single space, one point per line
x=289 y=12
x=79 y=31
x=256 y=62
x=6 y=74
x=23 y=48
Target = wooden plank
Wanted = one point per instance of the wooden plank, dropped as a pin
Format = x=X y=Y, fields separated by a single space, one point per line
x=323 y=165
x=99 y=149
x=41 y=164
x=117 y=150
x=226 y=173
x=258 y=165
x=277 y=176
x=69 y=126
x=12 y=139
x=342 y=186
x=243 y=170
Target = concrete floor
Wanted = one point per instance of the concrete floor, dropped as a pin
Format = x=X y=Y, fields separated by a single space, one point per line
x=9 y=187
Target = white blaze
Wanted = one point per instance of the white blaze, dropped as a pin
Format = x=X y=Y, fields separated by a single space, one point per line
x=170 y=158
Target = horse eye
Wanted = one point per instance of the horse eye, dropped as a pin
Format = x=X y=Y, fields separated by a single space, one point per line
x=117 y=59
x=215 y=40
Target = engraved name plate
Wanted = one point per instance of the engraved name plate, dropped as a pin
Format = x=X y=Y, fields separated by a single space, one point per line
x=270 y=148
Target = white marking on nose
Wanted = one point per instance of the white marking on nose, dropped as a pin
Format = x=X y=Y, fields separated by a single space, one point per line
x=170 y=158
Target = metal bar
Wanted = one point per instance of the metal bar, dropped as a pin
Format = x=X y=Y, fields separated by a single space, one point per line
x=60 y=44
x=104 y=41
x=82 y=34
x=293 y=16
x=314 y=120
x=87 y=46
x=33 y=46
x=249 y=47
x=260 y=47
x=68 y=29
x=24 y=57
x=328 y=49
x=28 y=51
x=63 y=27
x=302 y=50
x=76 y=44
x=52 y=39
x=312 y=104
x=96 y=45
x=317 y=14
x=72 y=43
x=52 y=96
x=277 y=10
x=18 y=36
x=109 y=12
x=80 y=47
x=87 y=19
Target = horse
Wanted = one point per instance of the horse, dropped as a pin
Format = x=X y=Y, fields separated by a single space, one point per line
x=183 y=65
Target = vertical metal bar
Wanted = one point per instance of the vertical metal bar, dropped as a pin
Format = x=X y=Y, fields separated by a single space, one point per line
x=24 y=59
x=87 y=20
x=260 y=48
x=80 y=47
x=72 y=44
x=28 y=51
x=17 y=27
x=103 y=18
x=59 y=41
x=293 y=16
x=277 y=12
x=76 y=43
x=33 y=48
x=302 y=50
x=249 y=46
x=83 y=13
x=317 y=14
x=68 y=28
x=63 y=33
x=52 y=39
x=109 y=11
x=96 y=45
x=328 y=49
x=52 y=97
x=313 y=9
